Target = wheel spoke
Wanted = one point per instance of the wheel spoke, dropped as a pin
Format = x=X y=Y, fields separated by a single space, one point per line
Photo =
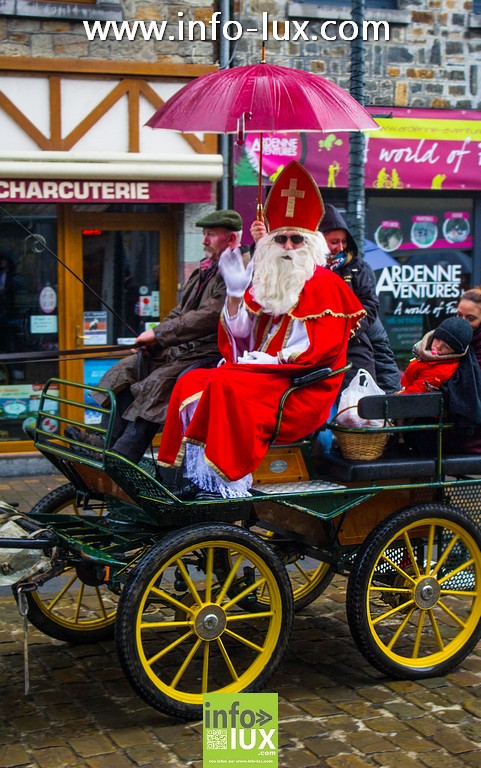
x=437 y=633
x=250 y=616
x=230 y=578
x=302 y=571
x=168 y=648
x=457 y=570
x=429 y=553
x=407 y=542
x=79 y=601
x=397 y=568
x=445 y=554
x=209 y=573
x=401 y=628
x=62 y=592
x=244 y=641
x=419 y=631
x=392 y=612
x=247 y=591
x=205 y=668
x=227 y=659
x=165 y=597
x=186 y=663
x=101 y=602
x=452 y=615
x=163 y=624
x=186 y=576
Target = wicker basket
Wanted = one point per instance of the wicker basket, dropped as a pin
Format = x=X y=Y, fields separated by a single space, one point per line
x=360 y=444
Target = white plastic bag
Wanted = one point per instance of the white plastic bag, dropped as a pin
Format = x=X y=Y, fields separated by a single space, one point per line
x=362 y=385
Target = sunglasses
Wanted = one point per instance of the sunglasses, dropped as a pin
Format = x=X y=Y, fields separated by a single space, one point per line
x=295 y=239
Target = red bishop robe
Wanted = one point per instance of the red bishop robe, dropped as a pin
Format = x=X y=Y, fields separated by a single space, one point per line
x=237 y=403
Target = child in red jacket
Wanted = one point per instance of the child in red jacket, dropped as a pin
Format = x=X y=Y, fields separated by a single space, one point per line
x=437 y=356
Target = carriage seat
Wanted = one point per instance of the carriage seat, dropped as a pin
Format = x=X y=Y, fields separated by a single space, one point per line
x=398 y=462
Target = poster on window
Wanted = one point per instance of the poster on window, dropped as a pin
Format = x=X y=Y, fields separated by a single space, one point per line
x=424 y=262
x=95 y=328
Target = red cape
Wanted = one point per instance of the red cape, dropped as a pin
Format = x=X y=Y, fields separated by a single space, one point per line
x=238 y=403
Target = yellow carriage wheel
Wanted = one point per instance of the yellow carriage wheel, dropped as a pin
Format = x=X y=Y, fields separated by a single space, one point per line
x=309 y=577
x=414 y=595
x=76 y=606
x=189 y=619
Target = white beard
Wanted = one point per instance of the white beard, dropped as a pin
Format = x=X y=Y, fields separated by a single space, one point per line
x=278 y=281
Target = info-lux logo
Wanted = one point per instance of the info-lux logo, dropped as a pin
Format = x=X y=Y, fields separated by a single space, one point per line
x=240 y=729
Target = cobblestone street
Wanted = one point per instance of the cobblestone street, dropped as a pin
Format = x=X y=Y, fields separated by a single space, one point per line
x=334 y=709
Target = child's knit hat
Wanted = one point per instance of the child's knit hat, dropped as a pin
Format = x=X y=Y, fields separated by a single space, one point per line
x=456 y=332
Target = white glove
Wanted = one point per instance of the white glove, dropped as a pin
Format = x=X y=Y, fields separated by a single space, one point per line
x=258 y=357
x=236 y=276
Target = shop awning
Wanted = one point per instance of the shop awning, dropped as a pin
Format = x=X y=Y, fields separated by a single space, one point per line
x=101 y=177
x=117 y=165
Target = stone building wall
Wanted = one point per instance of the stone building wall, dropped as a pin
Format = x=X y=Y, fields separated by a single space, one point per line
x=55 y=31
x=432 y=59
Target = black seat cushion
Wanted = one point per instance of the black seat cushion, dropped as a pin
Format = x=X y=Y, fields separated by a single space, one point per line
x=394 y=464
x=465 y=464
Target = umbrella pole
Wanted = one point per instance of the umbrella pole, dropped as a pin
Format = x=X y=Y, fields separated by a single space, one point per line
x=259 y=213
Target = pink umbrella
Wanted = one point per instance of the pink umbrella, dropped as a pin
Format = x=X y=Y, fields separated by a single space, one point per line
x=258 y=98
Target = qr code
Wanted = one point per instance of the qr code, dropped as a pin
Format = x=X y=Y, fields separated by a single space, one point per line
x=216 y=738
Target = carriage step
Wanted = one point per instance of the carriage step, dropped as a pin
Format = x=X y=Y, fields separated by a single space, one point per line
x=304 y=486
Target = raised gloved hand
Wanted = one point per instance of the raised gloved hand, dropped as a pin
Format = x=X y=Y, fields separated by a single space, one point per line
x=258 y=357
x=236 y=276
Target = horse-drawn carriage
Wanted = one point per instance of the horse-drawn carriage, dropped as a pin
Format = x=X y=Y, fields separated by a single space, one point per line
x=201 y=595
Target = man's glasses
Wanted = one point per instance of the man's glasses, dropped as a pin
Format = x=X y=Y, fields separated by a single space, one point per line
x=295 y=239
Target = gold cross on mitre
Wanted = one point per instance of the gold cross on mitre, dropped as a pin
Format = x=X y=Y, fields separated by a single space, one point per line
x=294 y=183
x=292 y=193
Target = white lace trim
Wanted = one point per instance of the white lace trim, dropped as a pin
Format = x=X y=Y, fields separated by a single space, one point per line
x=199 y=472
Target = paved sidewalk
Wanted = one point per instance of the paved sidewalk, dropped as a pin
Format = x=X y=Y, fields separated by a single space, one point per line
x=334 y=709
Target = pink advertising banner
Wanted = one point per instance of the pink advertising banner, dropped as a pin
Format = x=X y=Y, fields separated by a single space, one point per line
x=415 y=149
x=93 y=191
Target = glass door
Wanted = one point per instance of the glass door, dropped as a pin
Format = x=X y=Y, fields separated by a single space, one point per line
x=129 y=263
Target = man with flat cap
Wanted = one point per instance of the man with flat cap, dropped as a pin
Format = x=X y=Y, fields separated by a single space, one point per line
x=185 y=339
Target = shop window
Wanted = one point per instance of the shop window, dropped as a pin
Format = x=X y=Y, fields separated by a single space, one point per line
x=424 y=263
x=28 y=312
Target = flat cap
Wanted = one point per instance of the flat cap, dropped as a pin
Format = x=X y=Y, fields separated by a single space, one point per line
x=228 y=219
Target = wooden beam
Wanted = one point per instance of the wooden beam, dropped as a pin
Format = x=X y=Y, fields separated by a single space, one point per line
x=95 y=115
x=55 y=108
x=21 y=64
x=25 y=124
x=134 y=116
x=206 y=147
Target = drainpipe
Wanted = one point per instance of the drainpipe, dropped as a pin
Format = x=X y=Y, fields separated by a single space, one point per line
x=224 y=51
x=356 y=201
